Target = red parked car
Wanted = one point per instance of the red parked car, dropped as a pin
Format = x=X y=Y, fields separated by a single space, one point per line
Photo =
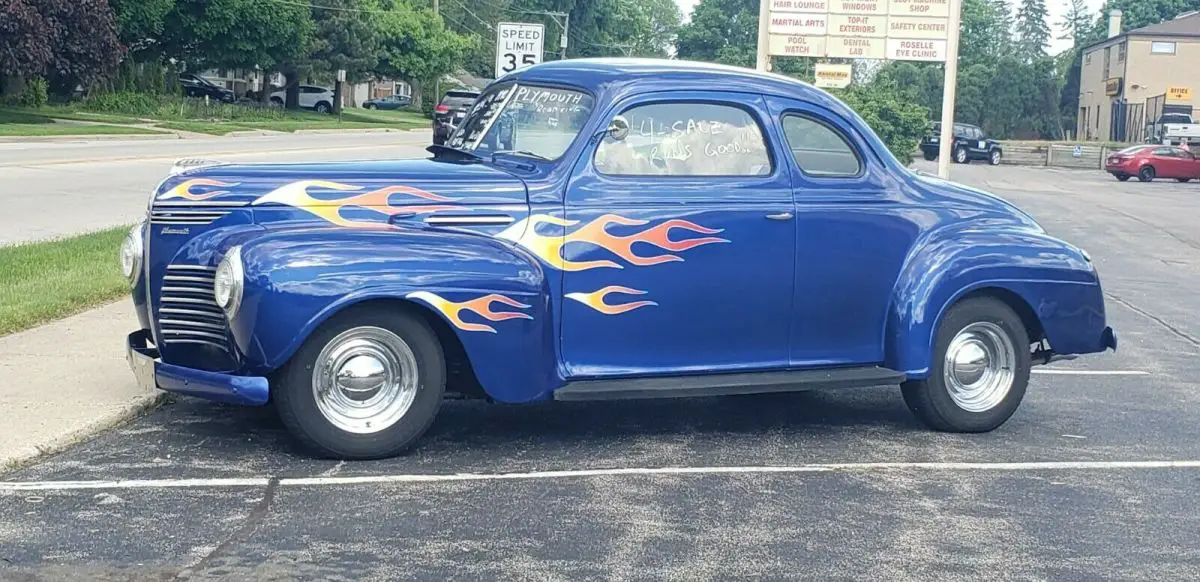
x=1148 y=162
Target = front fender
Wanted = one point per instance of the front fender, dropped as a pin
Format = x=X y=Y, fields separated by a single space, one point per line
x=492 y=296
x=1054 y=279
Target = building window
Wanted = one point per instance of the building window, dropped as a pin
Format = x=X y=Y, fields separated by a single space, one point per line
x=1121 y=53
x=1162 y=48
x=1107 y=60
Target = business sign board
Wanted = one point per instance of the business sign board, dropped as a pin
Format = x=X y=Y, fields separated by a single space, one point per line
x=833 y=76
x=518 y=45
x=1179 y=94
x=902 y=30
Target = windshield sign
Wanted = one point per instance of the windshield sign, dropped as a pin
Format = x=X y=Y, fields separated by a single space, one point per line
x=537 y=121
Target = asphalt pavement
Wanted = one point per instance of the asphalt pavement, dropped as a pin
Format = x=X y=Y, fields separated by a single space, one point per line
x=54 y=189
x=1094 y=478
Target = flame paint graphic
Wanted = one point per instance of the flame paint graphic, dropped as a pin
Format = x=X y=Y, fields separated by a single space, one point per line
x=296 y=195
x=595 y=300
x=481 y=306
x=184 y=190
x=549 y=248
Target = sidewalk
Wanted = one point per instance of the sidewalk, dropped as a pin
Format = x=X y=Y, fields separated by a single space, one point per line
x=66 y=380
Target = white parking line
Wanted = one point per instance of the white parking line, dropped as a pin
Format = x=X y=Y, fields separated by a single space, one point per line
x=19 y=486
x=1092 y=372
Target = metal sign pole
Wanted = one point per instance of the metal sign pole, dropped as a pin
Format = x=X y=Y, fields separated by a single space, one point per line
x=762 y=62
x=951 y=84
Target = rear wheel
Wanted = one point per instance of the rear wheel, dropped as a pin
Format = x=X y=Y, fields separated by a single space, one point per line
x=370 y=106
x=960 y=155
x=929 y=157
x=981 y=365
x=1146 y=174
x=323 y=107
x=365 y=385
x=1123 y=177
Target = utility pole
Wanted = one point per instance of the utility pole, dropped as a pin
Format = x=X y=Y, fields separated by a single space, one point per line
x=566 y=33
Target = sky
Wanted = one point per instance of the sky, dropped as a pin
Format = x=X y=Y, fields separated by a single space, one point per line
x=1056 y=8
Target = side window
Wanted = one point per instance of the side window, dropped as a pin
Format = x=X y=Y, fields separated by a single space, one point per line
x=820 y=150
x=1167 y=152
x=686 y=139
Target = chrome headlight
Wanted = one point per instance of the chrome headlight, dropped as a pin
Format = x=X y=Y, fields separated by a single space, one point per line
x=227 y=284
x=131 y=252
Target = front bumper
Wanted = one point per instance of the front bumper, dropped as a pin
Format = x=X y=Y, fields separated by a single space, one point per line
x=152 y=372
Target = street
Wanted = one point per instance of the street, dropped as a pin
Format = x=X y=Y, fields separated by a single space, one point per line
x=1094 y=478
x=87 y=186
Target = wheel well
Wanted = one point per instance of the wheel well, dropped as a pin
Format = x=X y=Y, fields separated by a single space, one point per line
x=460 y=376
x=1033 y=325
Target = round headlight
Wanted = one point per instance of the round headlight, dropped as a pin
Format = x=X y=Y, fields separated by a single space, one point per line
x=131 y=253
x=227 y=284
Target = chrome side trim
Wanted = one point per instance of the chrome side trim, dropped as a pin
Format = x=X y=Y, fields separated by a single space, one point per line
x=450 y=220
x=189 y=300
x=191 y=268
x=193 y=333
x=181 y=311
x=187 y=278
x=174 y=322
x=219 y=345
x=181 y=203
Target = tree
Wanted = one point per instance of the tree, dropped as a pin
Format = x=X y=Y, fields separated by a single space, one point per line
x=140 y=23
x=25 y=47
x=1033 y=33
x=346 y=38
x=1138 y=13
x=897 y=121
x=415 y=46
x=722 y=31
x=1076 y=24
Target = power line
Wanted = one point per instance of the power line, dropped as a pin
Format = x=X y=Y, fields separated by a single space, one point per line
x=473 y=15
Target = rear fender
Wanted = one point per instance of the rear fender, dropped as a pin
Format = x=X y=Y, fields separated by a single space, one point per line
x=1056 y=282
x=491 y=295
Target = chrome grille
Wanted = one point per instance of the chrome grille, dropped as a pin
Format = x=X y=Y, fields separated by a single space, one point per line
x=187 y=311
x=185 y=217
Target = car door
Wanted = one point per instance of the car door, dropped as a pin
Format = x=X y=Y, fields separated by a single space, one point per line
x=679 y=244
x=1166 y=162
x=308 y=96
x=977 y=142
x=1191 y=166
x=854 y=228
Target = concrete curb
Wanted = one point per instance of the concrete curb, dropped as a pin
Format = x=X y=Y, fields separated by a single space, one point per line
x=111 y=419
x=97 y=137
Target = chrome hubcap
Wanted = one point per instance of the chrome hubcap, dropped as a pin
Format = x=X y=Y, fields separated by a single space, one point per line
x=365 y=380
x=979 y=364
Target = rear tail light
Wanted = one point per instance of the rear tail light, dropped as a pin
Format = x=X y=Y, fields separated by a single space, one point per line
x=442 y=108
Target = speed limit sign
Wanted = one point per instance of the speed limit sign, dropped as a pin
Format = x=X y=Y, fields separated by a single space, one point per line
x=518 y=45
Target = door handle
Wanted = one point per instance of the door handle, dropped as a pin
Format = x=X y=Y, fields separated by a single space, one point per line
x=780 y=216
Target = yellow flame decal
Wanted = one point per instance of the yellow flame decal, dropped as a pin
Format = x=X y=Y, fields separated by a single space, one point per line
x=184 y=190
x=481 y=306
x=595 y=300
x=296 y=195
x=549 y=248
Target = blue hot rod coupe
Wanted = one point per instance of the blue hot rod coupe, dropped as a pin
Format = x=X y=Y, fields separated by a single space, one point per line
x=601 y=229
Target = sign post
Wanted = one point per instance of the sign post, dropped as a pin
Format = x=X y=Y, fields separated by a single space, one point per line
x=899 y=30
x=518 y=45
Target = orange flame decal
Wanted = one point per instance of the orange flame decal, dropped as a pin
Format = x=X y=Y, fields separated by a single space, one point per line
x=595 y=300
x=549 y=248
x=481 y=306
x=184 y=190
x=296 y=195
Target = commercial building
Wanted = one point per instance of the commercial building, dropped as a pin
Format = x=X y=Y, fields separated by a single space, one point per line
x=1128 y=80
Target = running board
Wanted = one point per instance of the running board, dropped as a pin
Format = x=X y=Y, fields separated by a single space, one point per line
x=729 y=384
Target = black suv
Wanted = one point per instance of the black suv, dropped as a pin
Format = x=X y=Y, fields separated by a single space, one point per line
x=969 y=144
x=450 y=112
x=197 y=86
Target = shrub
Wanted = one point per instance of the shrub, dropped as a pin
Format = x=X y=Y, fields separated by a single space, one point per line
x=35 y=94
x=897 y=121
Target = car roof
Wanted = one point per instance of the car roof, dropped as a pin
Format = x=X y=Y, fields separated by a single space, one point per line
x=600 y=75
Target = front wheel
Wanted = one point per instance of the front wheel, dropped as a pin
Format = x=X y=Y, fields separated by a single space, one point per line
x=365 y=385
x=929 y=157
x=994 y=157
x=323 y=107
x=981 y=365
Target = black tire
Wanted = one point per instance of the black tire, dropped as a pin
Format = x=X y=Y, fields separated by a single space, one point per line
x=929 y=157
x=297 y=406
x=1182 y=180
x=961 y=157
x=323 y=107
x=1146 y=174
x=370 y=106
x=995 y=157
x=277 y=102
x=1123 y=177
x=930 y=399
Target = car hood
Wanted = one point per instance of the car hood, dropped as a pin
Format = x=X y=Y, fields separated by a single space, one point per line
x=343 y=186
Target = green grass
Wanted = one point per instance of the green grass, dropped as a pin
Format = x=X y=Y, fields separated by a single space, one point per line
x=25 y=117
x=46 y=129
x=44 y=281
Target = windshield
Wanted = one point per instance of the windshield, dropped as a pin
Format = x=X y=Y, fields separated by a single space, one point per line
x=538 y=121
x=1176 y=118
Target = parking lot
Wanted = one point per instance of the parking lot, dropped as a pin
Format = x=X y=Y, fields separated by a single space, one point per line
x=1094 y=478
